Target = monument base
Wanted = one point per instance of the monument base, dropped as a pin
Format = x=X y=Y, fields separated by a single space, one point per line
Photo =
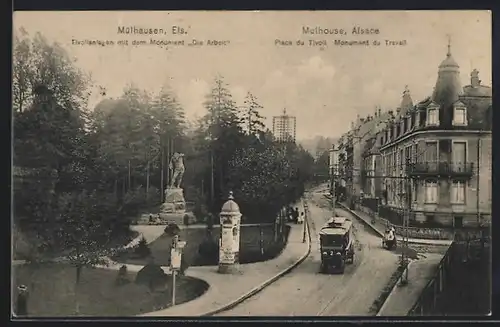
x=177 y=218
x=174 y=201
x=232 y=268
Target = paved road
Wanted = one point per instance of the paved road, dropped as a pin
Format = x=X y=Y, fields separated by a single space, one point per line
x=307 y=292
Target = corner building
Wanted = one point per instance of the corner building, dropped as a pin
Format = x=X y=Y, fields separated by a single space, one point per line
x=443 y=145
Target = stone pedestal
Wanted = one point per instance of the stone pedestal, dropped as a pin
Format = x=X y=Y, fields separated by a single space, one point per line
x=231 y=269
x=174 y=207
x=174 y=201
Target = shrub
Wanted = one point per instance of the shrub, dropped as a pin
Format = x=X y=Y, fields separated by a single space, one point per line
x=152 y=276
x=210 y=221
x=200 y=211
x=122 y=277
x=208 y=250
x=186 y=220
x=172 y=229
x=142 y=249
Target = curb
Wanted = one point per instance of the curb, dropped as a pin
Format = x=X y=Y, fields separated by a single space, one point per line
x=359 y=218
x=411 y=241
x=268 y=282
x=392 y=290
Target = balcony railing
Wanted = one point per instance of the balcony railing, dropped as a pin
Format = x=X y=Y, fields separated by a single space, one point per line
x=465 y=169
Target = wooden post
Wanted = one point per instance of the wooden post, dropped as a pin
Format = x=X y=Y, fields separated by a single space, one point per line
x=129 y=176
x=212 y=182
x=147 y=183
x=304 y=223
x=261 y=232
x=162 y=184
x=168 y=162
x=173 y=286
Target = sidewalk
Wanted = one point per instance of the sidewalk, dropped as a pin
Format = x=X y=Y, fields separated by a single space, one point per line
x=379 y=228
x=227 y=290
x=402 y=298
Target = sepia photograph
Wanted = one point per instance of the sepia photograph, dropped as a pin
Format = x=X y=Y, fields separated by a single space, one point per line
x=251 y=163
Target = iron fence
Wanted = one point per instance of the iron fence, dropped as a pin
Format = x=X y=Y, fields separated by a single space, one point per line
x=459 y=252
x=427 y=301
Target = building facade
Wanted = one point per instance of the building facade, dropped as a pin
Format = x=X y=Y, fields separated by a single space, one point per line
x=353 y=159
x=437 y=155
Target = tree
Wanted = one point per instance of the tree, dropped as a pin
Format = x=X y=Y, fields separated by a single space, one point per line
x=225 y=135
x=37 y=62
x=82 y=233
x=253 y=118
x=266 y=179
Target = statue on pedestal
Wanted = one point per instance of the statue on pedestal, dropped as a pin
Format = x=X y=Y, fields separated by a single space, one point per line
x=173 y=208
x=177 y=169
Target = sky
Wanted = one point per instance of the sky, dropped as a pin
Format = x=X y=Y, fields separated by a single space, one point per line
x=324 y=87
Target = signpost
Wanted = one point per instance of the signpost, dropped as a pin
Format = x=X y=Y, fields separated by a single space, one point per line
x=305 y=221
x=175 y=261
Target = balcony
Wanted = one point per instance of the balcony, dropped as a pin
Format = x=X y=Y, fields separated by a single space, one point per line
x=446 y=169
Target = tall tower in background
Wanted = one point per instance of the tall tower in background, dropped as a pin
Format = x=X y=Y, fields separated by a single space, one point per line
x=284 y=127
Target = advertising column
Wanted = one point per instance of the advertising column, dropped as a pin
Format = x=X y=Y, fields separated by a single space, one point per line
x=229 y=244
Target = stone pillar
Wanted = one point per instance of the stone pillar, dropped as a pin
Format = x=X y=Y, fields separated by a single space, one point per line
x=229 y=243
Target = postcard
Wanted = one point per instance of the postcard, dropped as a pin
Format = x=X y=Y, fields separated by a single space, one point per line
x=251 y=163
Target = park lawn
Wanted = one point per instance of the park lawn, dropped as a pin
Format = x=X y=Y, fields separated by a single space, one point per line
x=22 y=243
x=51 y=292
x=249 y=247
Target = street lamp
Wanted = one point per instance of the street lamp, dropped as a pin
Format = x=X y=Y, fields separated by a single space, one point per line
x=334 y=164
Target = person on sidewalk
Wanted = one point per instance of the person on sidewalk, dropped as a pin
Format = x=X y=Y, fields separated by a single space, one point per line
x=296 y=216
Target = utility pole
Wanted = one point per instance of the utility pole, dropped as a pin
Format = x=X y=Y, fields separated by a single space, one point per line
x=406 y=204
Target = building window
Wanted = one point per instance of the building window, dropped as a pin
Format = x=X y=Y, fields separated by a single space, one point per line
x=459 y=155
x=431 y=192
x=414 y=192
x=458 y=221
x=430 y=219
x=432 y=117
x=458 y=192
x=431 y=152
x=460 y=116
x=394 y=162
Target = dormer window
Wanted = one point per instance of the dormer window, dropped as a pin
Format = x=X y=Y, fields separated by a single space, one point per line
x=459 y=115
x=432 y=116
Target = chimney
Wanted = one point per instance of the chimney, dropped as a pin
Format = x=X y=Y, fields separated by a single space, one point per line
x=379 y=112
